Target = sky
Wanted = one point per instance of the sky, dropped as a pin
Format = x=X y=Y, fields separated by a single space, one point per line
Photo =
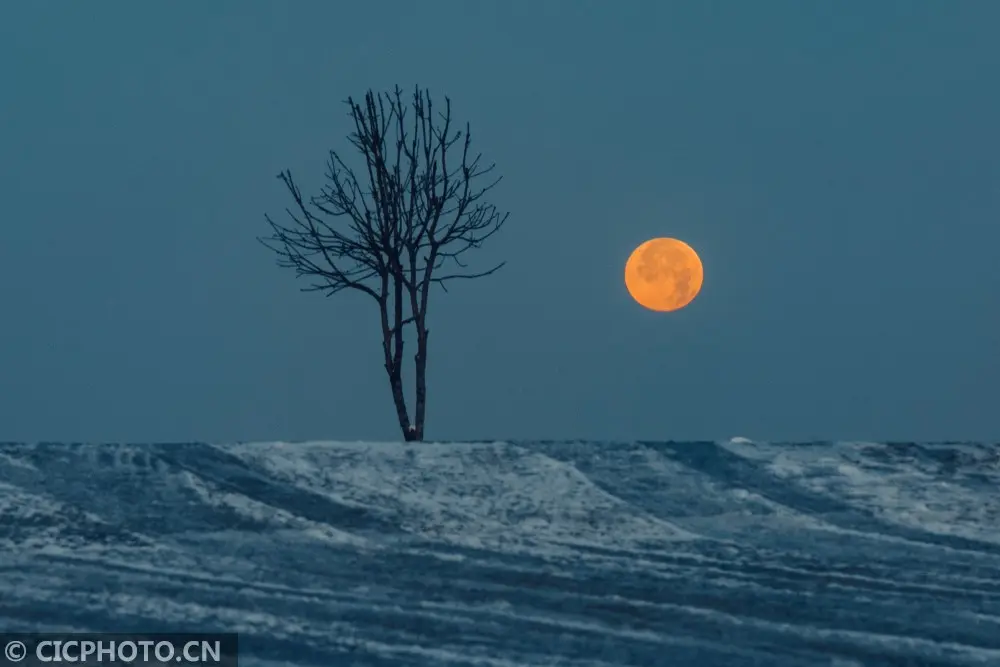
x=835 y=165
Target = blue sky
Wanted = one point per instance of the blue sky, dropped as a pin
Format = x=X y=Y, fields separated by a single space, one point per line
x=836 y=165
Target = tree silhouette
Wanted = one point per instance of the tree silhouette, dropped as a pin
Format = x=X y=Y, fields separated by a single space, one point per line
x=399 y=229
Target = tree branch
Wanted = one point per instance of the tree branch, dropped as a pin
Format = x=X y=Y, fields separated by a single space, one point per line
x=420 y=205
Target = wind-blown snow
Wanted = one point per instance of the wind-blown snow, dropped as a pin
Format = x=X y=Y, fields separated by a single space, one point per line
x=515 y=554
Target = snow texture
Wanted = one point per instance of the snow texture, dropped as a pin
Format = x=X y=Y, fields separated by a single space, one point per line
x=515 y=554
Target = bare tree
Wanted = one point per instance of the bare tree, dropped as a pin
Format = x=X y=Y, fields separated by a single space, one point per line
x=396 y=231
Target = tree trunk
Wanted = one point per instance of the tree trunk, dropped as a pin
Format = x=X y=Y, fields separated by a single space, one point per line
x=399 y=399
x=392 y=350
x=396 y=378
x=420 y=373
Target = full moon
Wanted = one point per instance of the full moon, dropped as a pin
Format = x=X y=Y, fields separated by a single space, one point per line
x=664 y=274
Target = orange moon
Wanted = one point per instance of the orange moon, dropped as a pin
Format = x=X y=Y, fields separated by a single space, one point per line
x=664 y=274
